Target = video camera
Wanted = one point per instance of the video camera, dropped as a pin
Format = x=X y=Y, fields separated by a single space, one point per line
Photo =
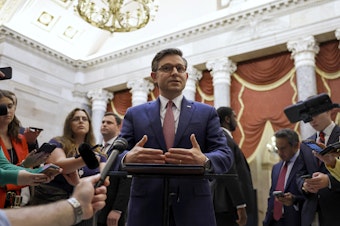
x=306 y=110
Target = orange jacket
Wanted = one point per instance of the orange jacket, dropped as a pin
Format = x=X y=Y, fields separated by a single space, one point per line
x=21 y=149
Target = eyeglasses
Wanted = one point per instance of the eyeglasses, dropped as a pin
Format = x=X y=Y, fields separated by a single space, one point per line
x=168 y=68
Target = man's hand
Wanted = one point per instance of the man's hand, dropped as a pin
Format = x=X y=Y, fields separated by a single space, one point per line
x=287 y=199
x=317 y=182
x=186 y=156
x=139 y=154
x=242 y=216
x=90 y=199
x=113 y=218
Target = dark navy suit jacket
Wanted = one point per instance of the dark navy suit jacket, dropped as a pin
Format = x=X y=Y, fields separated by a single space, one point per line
x=235 y=190
x=192 y=204
x=327 y=200
x=291 y=215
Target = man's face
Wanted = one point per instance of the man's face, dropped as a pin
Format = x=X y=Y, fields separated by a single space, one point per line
x=321 y=121
x=170 y=81
x=109 y=127
x=284 y=149
x=233 y=122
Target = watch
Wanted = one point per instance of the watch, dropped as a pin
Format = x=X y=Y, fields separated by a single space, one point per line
x=207 y=164
x=78 y=212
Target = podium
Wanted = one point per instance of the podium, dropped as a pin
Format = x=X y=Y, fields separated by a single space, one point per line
x=167 y=172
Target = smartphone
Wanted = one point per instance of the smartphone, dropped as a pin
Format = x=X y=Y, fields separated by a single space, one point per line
x=50 y=170
x=35 y=129
x=7 y=71
x=47 y=148
x=278 y=193
x=313 y=145
x=307 y=176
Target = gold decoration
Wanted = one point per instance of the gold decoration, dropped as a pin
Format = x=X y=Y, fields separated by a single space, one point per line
x=117 y=15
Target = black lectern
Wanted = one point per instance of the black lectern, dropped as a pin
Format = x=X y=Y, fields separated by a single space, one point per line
x=167 y=172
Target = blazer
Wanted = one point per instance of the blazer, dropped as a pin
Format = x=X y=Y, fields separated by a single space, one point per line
x=191 y=197
x=291 y=214
x=118 y=193
x=233 y=191
x=326 y=199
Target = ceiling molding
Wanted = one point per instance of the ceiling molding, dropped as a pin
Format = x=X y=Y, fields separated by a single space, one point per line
x=225 y=23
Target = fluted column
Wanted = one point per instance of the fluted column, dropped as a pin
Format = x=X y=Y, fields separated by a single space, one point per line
x=99 y=100
x=221 y=70
x=190 y=88
x=140 y=89
x=337 y=35
x=304 y=51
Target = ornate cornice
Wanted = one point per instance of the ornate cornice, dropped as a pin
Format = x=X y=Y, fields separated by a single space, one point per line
x=231 y=21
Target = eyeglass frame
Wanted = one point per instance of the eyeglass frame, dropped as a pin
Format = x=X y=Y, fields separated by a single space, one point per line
x=178 y=67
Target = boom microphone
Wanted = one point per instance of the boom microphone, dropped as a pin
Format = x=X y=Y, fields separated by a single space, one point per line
x=119 y=145
x=89 y=157
x=3 y=109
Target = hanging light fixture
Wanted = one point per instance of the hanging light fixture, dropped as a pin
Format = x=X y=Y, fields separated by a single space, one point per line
x=117 y=15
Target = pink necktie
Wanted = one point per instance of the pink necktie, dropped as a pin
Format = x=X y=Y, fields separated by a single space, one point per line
x=169 y=126
x=280 y=186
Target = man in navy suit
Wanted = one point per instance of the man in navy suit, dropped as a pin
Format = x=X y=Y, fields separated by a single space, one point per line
x=198 y=140
x=322 y=190
x=287 y=144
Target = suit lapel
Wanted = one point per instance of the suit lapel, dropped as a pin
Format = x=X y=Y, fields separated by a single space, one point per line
x=335 y=136
x=154 y=115
x=187 y=108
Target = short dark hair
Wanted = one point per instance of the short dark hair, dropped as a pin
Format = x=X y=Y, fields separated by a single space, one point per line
x=165 y=52
x=118 y=119
x=289 y=134
x=223 y=112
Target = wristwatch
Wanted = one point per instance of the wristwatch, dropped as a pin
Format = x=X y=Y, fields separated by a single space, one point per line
x=78 y=212
x=207 y=164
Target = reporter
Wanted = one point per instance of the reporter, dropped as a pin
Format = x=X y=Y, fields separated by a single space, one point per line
x=61 y=213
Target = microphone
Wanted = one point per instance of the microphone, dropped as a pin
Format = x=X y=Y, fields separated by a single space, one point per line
x=119 y=145
x=89 y=157
x=3 y=109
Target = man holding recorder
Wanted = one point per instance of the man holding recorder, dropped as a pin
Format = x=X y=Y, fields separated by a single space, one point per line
x=84 y=202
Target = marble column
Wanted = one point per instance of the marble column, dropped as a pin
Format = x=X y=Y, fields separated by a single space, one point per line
x=221 y=70
x=304 y=51
x=190 y=88
x=140 y=89
x=99 y=99
x=337 y=35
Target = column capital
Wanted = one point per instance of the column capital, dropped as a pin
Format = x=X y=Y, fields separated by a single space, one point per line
x=194 y=74
x=337 y=35
x=304 y=51
x=223 y=64
x=140 y=85
x=100 y=95
x=140 y=89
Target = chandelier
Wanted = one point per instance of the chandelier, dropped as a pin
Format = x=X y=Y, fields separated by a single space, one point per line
x=117 y=15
